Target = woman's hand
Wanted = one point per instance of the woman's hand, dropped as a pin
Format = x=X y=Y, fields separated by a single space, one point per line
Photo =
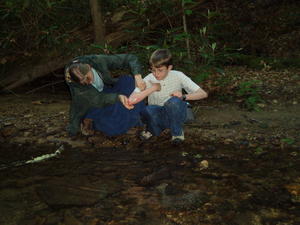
x=139 y=82
x=124 y=100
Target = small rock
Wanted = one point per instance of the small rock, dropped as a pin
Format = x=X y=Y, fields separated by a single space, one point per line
x=9 y=131
x=261 y=105
x=294 y=154
x=203 y=165
x=52 y=130
x=27 y=134
x=41 y=141
x=69 y=219
x=294 y=190
x=6 y=124
x=36 y=102
x=228 y=141
x=28 y=115
x=295 y=102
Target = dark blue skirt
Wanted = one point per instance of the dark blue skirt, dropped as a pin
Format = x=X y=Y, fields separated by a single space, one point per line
x=116 y=119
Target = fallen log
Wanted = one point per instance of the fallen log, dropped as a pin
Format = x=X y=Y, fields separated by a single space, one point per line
x=29 y=73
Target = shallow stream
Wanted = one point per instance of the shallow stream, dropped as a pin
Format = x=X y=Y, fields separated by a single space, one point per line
x=152 y=184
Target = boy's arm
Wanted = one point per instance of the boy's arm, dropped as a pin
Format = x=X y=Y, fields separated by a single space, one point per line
x=195 y=92
x=197 y=95
x=137 y=97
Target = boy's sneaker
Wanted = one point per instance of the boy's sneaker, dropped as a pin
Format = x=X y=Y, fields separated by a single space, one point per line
x=178 y=139
x=145 y=135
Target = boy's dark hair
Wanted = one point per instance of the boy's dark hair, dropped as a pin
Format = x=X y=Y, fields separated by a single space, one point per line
x=161 y=57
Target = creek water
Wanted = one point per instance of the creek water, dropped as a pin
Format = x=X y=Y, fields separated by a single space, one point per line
x=151 y=184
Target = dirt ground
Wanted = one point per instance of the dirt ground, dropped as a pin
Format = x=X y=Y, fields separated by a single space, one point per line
x=43 y=119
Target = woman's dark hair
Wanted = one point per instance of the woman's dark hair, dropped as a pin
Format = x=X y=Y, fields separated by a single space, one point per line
x=83 y=69
x=73 y=76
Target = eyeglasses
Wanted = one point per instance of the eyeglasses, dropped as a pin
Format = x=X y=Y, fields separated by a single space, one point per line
x=158 y=70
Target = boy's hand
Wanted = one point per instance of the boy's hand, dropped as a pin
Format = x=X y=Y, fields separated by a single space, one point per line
x=156 y=86
x=125 y=102
x=177 y=94
x=139 y=82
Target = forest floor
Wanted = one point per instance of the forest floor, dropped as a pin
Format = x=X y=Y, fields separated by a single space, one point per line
x=234 y=166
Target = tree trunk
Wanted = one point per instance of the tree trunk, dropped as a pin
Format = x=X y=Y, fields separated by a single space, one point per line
x=99 y=28
x=187 y=39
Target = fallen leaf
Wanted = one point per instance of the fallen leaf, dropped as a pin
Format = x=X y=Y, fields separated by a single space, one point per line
x=36 y=102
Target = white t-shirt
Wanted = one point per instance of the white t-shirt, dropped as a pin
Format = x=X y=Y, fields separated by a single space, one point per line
x=174 y=81
x=97 y=83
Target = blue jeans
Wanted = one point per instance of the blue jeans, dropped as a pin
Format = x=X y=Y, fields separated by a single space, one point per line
x=115 y=119
x=171 y=115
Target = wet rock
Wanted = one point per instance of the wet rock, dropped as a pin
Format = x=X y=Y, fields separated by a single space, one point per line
x=52 y=218
x=189 y=200
x=203 y=165
x=52 y=131
x=27 y=134
x=244 y=142
x=8 y=131
x=41 y=141
x=7 y=124
x=16 y=203
x=2 y=139
x=294 y=190
x=248 y=218
x=228 y=141
x=263 y=125
x=272 y=196
x=70 y=219
x=156 y=176
x=28 y=116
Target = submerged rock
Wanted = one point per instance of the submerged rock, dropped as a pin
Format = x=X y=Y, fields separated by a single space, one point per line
x=156 y=176
x=294 y=190
x=271 y=196
x=189 y=200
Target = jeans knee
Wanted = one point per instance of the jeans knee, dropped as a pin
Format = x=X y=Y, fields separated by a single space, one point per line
x=146 y=112
x=174 y=102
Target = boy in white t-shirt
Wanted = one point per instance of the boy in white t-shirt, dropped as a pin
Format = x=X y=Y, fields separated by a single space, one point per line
x=167 y=108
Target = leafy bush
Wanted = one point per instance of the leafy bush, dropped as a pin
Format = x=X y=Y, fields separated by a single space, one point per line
x=249 y=91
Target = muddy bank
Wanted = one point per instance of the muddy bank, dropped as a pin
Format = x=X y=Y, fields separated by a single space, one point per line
x=41 y=119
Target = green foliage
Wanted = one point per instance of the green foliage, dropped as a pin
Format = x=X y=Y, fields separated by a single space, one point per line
x=210 y=52
x=30 y=25
x=249 y=91
x=288 y=141
x=202 y=76
x=259 y=151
